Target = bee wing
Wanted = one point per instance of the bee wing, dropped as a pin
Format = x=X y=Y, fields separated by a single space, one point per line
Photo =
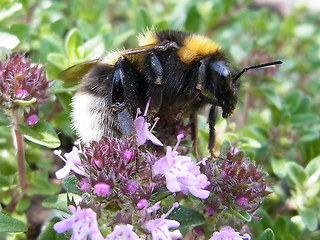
x=72 y=75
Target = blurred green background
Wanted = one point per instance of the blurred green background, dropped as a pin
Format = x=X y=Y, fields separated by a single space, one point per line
x=277 y=119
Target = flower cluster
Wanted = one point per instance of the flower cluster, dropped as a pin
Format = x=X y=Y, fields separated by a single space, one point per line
x=22 y=86
x=235 y=182
x=127 y=183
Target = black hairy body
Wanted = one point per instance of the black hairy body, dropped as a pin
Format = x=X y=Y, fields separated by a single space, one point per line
x=181 y=72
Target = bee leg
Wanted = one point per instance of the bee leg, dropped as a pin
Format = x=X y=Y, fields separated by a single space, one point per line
x=201 y=75
x=126 y=122
x=212 y=122
x=194 y=132
x=117 y=83
x=206 y=95
x=155 y=77
x=118 y=99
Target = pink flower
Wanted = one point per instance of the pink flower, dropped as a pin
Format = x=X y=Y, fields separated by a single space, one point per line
x=83 y=223
x=142 y=128
x=160 y=227
x=181 y=173
x=122 y=232
x=72 y=161
x=228 y=233
x=20 y=79
x=142 y=204
x=85 y=185
x=102 y=189
x=22 y=94
x=32 y=119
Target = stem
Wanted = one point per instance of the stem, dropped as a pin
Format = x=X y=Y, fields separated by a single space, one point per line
x=21 y=159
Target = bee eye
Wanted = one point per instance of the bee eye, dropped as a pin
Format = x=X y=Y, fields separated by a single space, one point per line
x=221 y=68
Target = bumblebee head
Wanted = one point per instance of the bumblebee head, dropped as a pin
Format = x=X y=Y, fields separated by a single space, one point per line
x=221 y=88
x=222 y=85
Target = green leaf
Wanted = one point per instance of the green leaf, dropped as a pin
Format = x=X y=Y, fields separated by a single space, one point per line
x=242 y=214
x=274 y=99
x=296 y=173
x=4 y=13
x=8 y=40
x=310 y=135
x=86 y=29
x=73 y=42
x=20 y=30
x=187 y=218
x=267 y=235
x=4 y=181
x=300 y=120
x=305 y=30
x=9 y=224
x=23 y=204
x=225 y=148
x=25 y=102
x=41 y=133
x=94 y=48
x=40 y=184
x=279 y=167
x=49 y=45
x=59 y=202
x=121 y=38
x=143 y=19
x=292 y=100
x=69 y=184
x=237 y=52
x=193 y=19
x=58 y=59
x=309 y=217
x=59 y=26
x=280 y=226
x=48 y=233
x=313 y=166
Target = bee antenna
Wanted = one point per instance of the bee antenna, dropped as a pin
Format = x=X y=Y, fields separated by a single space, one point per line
x=263 y=65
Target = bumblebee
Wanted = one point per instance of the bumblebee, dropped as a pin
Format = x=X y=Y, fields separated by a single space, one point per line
x=180 y=71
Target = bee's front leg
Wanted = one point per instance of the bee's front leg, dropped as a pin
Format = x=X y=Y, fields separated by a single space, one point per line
x=120 y=94
x=212 y=122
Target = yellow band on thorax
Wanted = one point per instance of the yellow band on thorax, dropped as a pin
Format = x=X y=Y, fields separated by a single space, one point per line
x=195 y=47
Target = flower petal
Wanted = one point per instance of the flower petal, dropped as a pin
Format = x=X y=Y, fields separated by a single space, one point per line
x=63 y=172
x=153 y=139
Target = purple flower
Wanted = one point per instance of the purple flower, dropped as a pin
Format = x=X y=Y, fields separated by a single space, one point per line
x=122 y=232
x=142 y=128
x=85 y=185
x=21 y=80
x=83 y=223
x=102 y=189
x=160 y=227
x=32 y=119
x=131 y=187
x=72 y=161
x=235 y=182
x=22 y=94
x=228 y=233
x=181 y=173
x=142 y=204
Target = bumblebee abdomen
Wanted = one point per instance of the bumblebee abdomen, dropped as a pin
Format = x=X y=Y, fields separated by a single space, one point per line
x=92 y=117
